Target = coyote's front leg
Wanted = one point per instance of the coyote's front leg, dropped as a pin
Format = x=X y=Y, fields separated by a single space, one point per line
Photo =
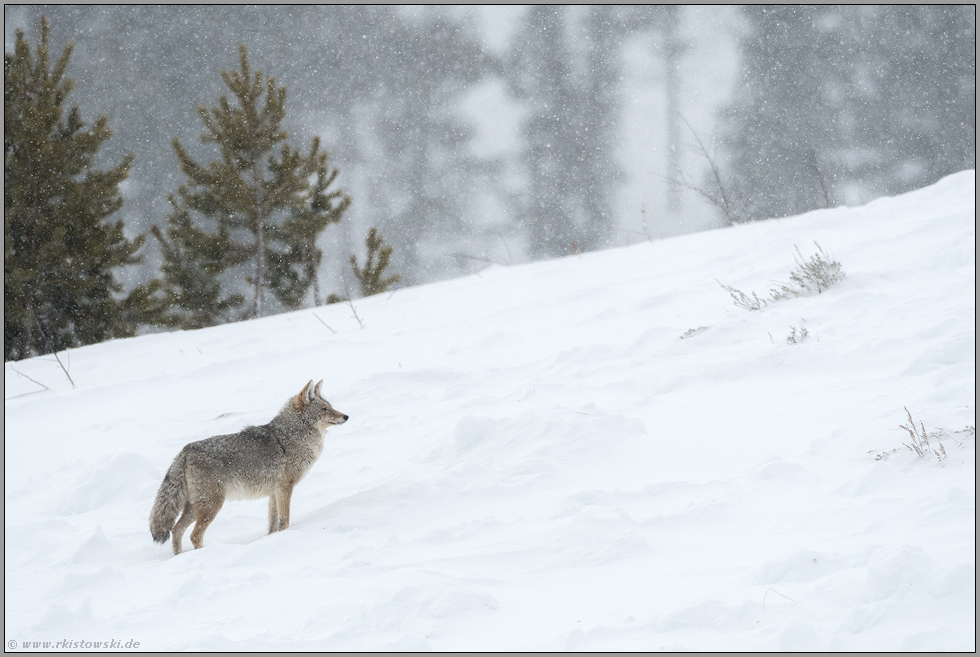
x=283 y=495
x=273 y=514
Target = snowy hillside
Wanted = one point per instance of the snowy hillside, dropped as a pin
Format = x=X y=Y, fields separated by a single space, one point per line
x=537 y=460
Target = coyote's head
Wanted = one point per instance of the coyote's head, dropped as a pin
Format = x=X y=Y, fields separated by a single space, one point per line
x=312 y=405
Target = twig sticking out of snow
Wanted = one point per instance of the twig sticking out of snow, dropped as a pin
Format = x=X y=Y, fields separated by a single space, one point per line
x=320 y=319
x=30 y=379
x=63 y=369
x=777 y=593
x=348 y=300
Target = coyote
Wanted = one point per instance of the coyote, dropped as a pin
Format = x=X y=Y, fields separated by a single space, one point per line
x=255 y=462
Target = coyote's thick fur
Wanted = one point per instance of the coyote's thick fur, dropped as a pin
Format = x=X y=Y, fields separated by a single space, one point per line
x=256 y=462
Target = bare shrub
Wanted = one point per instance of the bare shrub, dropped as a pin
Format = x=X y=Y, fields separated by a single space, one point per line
x=721 y=197
x=919 y=439
x=926 y=444
x=742 y=300
x=693 y=331
x=797 y=335
x=815 y=274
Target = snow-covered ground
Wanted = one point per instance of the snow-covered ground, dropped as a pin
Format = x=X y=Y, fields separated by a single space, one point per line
x=536 y=459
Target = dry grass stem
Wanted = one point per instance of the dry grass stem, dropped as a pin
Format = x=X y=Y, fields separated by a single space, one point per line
x=919 y=439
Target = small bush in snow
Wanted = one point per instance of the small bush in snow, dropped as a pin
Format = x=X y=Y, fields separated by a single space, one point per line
x=919 y=440
x=813 y=275
x=742 y=300
x=797 y=335
x=693 y=331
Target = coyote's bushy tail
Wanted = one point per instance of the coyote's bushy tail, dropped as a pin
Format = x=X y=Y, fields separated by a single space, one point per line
x=171 y=498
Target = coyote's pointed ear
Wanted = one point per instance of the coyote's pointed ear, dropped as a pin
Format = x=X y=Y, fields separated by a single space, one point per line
x=303 y=398
x=316 y=390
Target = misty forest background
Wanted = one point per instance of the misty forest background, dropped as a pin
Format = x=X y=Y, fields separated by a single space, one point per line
x=469 y=136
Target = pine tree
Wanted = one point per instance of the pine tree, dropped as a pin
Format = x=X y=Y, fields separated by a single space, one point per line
x=844 y=103
x=421 y=141
x=371 y=276
x=566 y=72
x=918 y=114
x=251 y=215
x=782 y=115
x=59 y=248
x=542 y=80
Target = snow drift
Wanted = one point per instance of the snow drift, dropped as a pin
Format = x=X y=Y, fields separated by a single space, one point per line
x=599 y=452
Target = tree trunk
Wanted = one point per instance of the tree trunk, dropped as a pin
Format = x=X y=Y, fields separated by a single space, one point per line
x=672 y=52
x=259 y=238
